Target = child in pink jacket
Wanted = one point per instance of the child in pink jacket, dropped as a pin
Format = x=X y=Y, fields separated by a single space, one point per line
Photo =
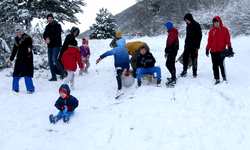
x=85 y=54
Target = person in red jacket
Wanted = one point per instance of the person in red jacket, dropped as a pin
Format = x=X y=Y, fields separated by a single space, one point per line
x=218 y=39
x=69 y=59
x=171 y=51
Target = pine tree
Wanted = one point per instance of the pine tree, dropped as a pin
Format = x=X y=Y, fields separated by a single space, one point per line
x=104 y=27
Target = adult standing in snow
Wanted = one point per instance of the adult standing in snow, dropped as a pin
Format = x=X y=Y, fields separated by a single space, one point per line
x=121 y=62
x=133 y=49
x=24 y=60
x=52 y=37
x=192 y=44
x=74 y=32
x=171 y=51
x=118 y=36
x=218 y=39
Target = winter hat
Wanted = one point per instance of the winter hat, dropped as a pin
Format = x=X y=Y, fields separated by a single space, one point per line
x=73 y=42
x=62 y=90
x=85 y=40
x=169 y=25
x=119 y=32
x=19 y=27
x=50 y=15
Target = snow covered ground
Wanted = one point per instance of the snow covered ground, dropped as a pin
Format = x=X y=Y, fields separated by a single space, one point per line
x=195 y=115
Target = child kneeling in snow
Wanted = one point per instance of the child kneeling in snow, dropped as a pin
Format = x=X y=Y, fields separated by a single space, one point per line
x=66 y=104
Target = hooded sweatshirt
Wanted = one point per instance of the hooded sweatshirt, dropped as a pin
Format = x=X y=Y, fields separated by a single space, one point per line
x=218 y=38
x=70 y=101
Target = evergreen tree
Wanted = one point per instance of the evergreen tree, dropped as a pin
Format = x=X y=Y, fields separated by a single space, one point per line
x=104 y=27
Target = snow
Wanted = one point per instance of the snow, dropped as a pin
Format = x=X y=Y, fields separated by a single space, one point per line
x=195 y=115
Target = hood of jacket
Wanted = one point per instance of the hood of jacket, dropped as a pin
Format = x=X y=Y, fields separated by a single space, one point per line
x=218 y=18
x=121 y=42
x=73 y=29
x=72 y=49
x=66 y=87
x=53 y=23
x=173 y=30
x=189 y=17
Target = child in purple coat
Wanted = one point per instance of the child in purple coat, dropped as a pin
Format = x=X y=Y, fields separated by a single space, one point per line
x=85 y=54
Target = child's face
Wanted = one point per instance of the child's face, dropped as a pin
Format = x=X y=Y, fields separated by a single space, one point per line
x=63 y=95
x=143 y=51
x=85 y=43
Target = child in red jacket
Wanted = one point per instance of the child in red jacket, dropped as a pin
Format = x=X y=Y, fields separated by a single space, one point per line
x=69 y=59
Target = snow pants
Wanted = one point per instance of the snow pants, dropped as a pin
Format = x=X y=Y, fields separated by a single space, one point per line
x=70 y=78
x=28 y=83
x=142 y=71
x=68 y=114
x=218 y=62
x=170 y=64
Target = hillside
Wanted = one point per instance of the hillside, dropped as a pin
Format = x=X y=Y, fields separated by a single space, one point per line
x=195 y=115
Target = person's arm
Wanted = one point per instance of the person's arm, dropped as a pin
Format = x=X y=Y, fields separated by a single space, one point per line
x=228 y=40
x=199 y=36
x=170 y=40
x=13 y=54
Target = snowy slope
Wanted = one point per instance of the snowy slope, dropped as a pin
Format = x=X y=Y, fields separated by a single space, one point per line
x=195 y=115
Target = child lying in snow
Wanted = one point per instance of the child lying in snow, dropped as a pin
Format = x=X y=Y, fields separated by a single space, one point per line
x=66 y=104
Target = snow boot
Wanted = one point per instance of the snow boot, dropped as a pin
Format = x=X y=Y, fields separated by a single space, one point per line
x=52 y=119
x=158 y=82
x=171 y=83
x=183 y=74
x=65 y=119
x=194 y=74
x=217 y=81
x=119 y=93
x=138 y=84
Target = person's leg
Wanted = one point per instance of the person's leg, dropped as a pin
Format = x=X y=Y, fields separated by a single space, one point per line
x=140 y=71
x=70 y=114
x=222 y=66
x=51 y=64
x=87 y=66
x=185 y=59
x=119 y=78
x=215 y=60
x=156 y=70
x=59 y=115
x=56 y=51
x=194 y=57
x=72 y=80
x=170 y=63
x=15 y=83
x=69 y=77
x=29 y=83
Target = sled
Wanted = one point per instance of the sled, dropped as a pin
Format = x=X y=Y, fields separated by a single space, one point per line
x=148 y=77
x=180 y=59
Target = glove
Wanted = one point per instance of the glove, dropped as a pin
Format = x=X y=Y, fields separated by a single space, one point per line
x=142 y=61
x=148 y=61
x=207 y=53
x=230 y=49
x=69 y=107
x=98 y=60
x=81 y=71
x=62 y=108
x=166 y=55
x=127 y=73
x=10 y=63
x=66 y=109
x=196 y=51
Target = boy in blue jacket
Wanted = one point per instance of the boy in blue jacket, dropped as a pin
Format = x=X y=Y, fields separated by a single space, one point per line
x=121 y=57
x=66 y=104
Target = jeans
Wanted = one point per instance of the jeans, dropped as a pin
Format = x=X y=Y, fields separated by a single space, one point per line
x=53 y=53
x=28 y=83
x=68 y=114
x=142 y=71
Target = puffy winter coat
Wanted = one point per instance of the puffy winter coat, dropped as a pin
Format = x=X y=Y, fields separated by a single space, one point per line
x=131 y=47
x=218 y=38
x=147 y=56
x=193 y=34
x=53 y=31
x=84 y=51
x=121 y=55
x=172 y=41
x=71 y=101
x=24 y=60
x=71 y=57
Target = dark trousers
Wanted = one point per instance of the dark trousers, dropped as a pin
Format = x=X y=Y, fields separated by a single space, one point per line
x=194 y=57
x=53 y=61
x=218 y=62
x=170 y=64
x=119 y=78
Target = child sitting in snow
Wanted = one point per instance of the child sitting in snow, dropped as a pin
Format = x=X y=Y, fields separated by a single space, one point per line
x=69 y=59
x=66 y=104
x=85 y=54
x=145 y=64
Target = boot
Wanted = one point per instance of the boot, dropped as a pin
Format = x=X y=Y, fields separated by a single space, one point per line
x=217 y=81
x=183 y=74
x=138 y=83
x=158 y=82
x=194 y=74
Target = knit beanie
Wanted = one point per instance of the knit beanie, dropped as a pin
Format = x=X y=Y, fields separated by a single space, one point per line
x=19 y=27
x=119 y=32
x=169 y=25
x=62 y=90
x=50 y=15
x=84 y=41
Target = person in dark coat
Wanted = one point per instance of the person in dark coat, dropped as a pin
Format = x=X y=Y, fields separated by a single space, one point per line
x=118 y=36
x=74 y=32
x=218 y=39
x=145 y=64
x=192 y=44
x=171 y=50
x=66 y=104
x=24 y=60
x=52 y=37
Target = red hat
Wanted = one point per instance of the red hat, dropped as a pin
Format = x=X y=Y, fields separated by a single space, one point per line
x=63 y=91
x=85 y=41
